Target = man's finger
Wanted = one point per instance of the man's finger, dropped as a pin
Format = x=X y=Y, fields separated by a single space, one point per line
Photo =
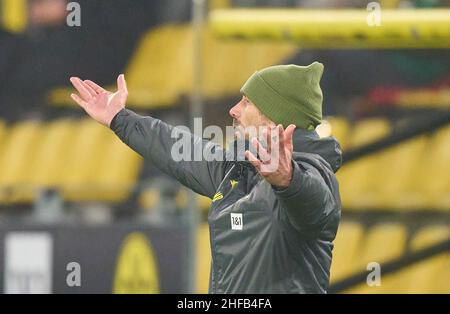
x=91 y=91
x=288 y=135
x=95 y=87
x=284 y=144
x=266 y=138
x=281 y=133
x=78 y=84
x=275 y=141
x=253 y=160
x=122 y=84
x=263 y=154
x=79 y=101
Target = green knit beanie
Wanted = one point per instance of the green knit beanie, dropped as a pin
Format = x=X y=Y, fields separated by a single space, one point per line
x=288 y=94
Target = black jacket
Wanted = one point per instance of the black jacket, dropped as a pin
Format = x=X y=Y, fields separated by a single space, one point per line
x=263 y=240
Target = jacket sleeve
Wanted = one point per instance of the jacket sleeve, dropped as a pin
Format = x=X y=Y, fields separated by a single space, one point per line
x=308 y=200
x=154 y=140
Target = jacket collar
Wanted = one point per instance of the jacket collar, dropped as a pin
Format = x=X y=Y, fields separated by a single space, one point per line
x=304 y=142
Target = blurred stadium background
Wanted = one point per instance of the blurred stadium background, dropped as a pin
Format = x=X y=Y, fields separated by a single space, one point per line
x=71 y=192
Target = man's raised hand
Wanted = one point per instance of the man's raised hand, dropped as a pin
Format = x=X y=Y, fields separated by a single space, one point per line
x=99 y=103
x=275 y=164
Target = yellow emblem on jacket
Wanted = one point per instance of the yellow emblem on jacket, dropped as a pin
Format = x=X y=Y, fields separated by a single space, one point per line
x=217 y=196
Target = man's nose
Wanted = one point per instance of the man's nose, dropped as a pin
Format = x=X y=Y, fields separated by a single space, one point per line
x=234 y=112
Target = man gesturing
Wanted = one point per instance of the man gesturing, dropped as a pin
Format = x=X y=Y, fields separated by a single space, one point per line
x=98 y=102
x=271 y=228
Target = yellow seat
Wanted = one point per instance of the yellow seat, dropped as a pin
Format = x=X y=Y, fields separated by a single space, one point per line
x=14 y=15
x=357 y=178
x=347 y=246
x=160 y=68
x=427 y=276
x=426 y=174
x=168 y=52
x=203 y=258
x=434 y=273
x=411 y=175
x=383 y=243
x=390 y=188
x=3 y=141
x=431 y=275
x=51 y=155
x=435 y=171
x=16 y=162
x=84 y=159
x=118 y=171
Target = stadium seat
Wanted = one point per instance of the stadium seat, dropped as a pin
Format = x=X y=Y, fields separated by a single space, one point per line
x=16 y=162
x=432 y=274
x=399 y=169
x=14 y=15
x=435 y=171
x=158 y=71
x=99 y=167
x=171 y=75
x=203 y=258
x=3 y=141
x=428 y=184
x=118 y=172
x=427 y=276
x=347 y=247
x=50 y=158
x=382 y=243
x=411 y=175
x=84 y=158
x=358 y=178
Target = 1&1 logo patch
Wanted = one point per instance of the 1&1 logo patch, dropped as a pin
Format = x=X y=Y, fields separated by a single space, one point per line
x=236 y=221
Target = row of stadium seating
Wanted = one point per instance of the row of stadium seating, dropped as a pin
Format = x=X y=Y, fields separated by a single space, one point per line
x=413 y=174
x=80 y=158
x=158 y=73
x=356 y=246
x=85 y=161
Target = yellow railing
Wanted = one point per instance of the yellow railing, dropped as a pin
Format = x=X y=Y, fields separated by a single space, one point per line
x=406 y=28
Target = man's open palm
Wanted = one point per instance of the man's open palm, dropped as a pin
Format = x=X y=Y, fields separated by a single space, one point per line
x=99 y=103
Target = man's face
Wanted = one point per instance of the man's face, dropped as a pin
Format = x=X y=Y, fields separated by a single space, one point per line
x=245 y=114
x=250 y=122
